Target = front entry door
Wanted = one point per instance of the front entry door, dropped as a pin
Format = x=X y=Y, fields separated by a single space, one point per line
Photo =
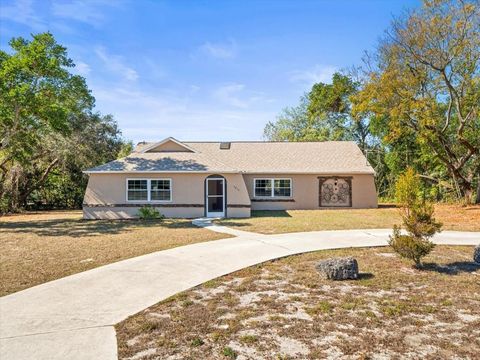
x=215 y=190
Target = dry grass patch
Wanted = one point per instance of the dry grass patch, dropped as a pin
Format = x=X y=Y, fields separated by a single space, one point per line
x=39 y=247
x=454 y=217
x=284 y=310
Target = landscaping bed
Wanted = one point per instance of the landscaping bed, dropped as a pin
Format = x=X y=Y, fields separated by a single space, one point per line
x=284 y=310
x=43 y=246
x=454 y=217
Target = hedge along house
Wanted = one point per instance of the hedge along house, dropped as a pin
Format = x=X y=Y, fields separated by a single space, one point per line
x=214 y=179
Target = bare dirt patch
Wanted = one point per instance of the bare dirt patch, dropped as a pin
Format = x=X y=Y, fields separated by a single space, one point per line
x=284 y=310
x=454 y=217
x=43 y=246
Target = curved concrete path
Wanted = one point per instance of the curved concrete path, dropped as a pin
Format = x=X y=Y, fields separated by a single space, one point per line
x=73 y=317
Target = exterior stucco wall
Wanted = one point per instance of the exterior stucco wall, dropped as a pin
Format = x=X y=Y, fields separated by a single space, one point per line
x=305 y=192
x=119 y=212
x=105 y=196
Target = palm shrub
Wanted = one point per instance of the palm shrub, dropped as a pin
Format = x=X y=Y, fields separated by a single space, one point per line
x=417 y=217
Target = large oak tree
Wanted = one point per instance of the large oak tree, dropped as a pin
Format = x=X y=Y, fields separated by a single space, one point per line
x=47 y=123
x=424 y=80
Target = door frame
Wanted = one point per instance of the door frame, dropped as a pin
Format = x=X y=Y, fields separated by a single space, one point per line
x=224 y=196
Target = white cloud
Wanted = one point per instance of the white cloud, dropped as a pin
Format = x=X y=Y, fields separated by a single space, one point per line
x=220 y=51
x=236 y=95
x=115 y=64
x=155 y=69
x=193 y=88
x=22 y=12
x=87 y=11
x=318 y=73
x=82 y=68
x=228 y=94
x=143 y=116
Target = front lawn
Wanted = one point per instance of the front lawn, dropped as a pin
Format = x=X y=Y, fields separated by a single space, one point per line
x=283 y=310
x=454 y=217
x=38 y=247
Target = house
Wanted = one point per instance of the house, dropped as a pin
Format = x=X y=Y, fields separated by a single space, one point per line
x=229 y=179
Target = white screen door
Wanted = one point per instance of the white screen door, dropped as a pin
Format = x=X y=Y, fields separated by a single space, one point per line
x=215 y=190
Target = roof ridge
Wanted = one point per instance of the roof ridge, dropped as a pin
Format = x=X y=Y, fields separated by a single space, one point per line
x=266 y=142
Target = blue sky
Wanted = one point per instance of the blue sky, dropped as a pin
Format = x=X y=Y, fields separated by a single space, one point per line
x=203 y=70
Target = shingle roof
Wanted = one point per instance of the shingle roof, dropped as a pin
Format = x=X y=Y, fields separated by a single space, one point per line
x=164 y=162
x=329 y=157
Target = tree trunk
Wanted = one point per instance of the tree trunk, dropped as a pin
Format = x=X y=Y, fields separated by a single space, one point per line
x=24 y=196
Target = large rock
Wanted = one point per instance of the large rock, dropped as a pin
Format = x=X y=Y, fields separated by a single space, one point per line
x=338 y=268
x=476 y=254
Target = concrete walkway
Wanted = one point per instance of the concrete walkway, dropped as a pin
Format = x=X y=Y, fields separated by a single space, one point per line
x=73 y=317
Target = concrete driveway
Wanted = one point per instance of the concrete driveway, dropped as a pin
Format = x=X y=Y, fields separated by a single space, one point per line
x=73 y=317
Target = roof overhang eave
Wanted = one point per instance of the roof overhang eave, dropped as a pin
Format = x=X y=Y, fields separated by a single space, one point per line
x=88 y=172
x=310 y=172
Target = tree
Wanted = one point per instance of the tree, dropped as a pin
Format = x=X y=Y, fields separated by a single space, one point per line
x=125 y=150
x=417 y=217
x=323 y=114
x=37 y=95
x=293 y=124
x=424 y=83
x=48 y=132
x=94 y=139
x=330 y=107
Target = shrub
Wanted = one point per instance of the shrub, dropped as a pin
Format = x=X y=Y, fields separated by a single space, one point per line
x=417 y=218
x=229 y=352
x=149 y=212
x=420 y=221
x=197 y=342
x=249 y=339
x=410 y=247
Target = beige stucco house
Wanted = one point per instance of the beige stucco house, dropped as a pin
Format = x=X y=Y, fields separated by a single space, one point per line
x=196 y=179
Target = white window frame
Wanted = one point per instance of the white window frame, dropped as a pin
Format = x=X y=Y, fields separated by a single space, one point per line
x=149 y=190
x=272 y=194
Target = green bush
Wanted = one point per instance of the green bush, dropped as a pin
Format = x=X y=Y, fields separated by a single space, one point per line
x=420 y=222
x=149 y=213
x=410 y=247
x=197 y=342
x=417 y=218
x=229 y=352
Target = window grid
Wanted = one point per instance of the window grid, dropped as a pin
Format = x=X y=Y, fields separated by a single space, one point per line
x=149 y=190
x=280 y=188
x=137 y=190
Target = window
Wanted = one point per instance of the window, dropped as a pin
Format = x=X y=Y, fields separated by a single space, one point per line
x=280 y=188
x=149 y=189
x=160 y=190
x=137 y=190
x=263 y=187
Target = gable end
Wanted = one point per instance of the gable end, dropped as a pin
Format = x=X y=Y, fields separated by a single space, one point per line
x=168 y=145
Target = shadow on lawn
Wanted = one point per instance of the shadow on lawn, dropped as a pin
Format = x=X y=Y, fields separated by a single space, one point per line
x=78 y=228
x=233 y=223
x=256 y=214
x=453 y=268
x=387 y=206
x=270 y=213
